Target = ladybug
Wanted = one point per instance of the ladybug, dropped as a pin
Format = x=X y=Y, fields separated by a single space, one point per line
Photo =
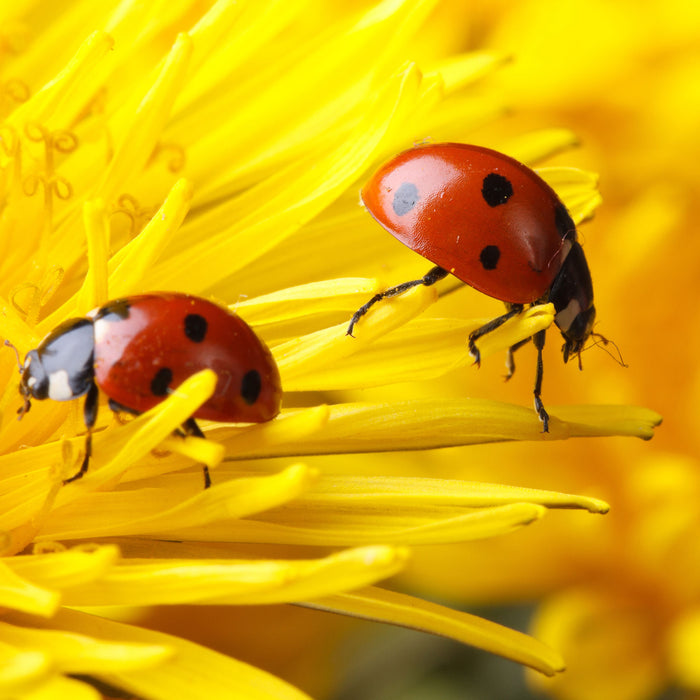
x=140 y=348
x=494 y=224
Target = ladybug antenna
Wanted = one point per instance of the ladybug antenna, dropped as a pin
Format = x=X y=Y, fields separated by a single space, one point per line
x=19 y=362
x=24 y=408
x=602 y=342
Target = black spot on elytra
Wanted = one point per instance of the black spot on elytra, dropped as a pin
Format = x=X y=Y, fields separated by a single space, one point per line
x=496 y=189
x=405 y=198
x=564 y=223
x=196 y=327
x=251 y=384
x=117 y=310
x=489 y=257
x=161 y=381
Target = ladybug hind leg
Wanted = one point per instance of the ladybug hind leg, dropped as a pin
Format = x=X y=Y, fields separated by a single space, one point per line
x=430 y=278
x=90 y=418
x=538 y=339
x=190 y=427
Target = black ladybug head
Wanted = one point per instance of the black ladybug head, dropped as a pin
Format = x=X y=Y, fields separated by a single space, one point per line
x=33 y=382
x=578 y=333
x=572 y=296
x=60 y=368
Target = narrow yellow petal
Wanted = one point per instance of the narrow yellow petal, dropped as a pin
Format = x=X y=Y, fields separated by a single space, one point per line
x=419 y=350
x=684 y=641
x=94 y=291
x=362 y=528
x=139 y=140
x=115 y=450
x=428 y=423
x=292 y=426
x=303 y=356
x=165 y=510
x=536 y=146
x=19 y=594
x=382 y=492
x=76 y=653
x=22 y=671
x=524 y=325
x=131 y=264
x=59 y=687
x=306 y=300
x=464 y=69
x=68 y=89
x=194 y=672
x=280 y=204
x=605 y=421
x=415 y=613
x=231 y=581
x=578 y=189
x=196 y=449
x=64 y=569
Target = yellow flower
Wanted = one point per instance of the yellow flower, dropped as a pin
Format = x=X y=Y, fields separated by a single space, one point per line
x=218 y=151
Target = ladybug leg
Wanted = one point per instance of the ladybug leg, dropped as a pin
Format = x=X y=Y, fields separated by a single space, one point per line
x=190 y=427
x=90 y=418
x=510 y=359
x=513 y=310
x=433 y=276
x=538 y=339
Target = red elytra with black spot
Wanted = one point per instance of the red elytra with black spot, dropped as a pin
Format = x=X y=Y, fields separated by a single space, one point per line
x=479 y=214
x=146 y=346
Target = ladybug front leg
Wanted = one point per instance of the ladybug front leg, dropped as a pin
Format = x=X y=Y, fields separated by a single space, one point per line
x=190 y=427
x=513 y=310
x=90 y=418
x=538 y=339
x=433 y=276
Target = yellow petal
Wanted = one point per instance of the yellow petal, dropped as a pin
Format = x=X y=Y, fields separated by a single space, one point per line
x=191 y=673
x=58 y=687
x=231 y=581
x=114 y=450
x=64 y=569
x=59 y=98
x=280 y=204
x=19 y=594
x=77 y=653
x=22 y=671
x=407 y=611
x=139 y=139
x=379 y=493
x=422 y=349
x=535 y=146
x=684 y=641
x=421 y=424
x=173 y=506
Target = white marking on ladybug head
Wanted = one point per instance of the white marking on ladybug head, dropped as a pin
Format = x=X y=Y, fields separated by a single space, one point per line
x=31 y=382
x=59 y=386
x=566 y=317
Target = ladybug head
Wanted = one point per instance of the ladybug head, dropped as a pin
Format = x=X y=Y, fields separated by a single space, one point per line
x=578 y=333
x=61 y=367
x=34 y=382
x=572 y=296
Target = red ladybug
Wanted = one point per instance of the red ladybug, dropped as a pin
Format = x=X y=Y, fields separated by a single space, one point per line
x=139 y=348
x=496 y=225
